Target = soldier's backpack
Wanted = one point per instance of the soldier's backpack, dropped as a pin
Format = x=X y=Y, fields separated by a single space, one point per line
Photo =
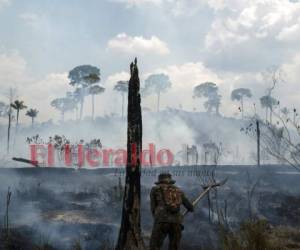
x=171 y=197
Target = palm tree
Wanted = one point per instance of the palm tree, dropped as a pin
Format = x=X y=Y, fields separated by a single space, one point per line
x=33 y=114
x=285 y=111
x=122 y=87
x=18 y=106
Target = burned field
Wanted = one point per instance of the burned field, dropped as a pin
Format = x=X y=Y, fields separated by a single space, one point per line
x=65 y=208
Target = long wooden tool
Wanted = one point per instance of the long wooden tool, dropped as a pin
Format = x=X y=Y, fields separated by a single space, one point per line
x=206 y=190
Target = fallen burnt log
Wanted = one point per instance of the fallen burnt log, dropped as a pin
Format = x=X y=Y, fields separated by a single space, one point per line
x=34 y=163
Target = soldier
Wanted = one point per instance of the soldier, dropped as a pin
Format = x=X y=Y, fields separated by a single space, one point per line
x=166 y=200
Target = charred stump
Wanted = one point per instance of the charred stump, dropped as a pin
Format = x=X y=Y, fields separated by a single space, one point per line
x=130 y=235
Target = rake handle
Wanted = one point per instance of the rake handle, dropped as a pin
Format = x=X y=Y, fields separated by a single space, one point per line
x=199 y=198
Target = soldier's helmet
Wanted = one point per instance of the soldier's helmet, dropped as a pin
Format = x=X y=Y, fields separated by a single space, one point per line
x=165 y=178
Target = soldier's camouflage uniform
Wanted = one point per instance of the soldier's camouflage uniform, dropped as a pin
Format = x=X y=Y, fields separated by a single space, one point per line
x=166 y=223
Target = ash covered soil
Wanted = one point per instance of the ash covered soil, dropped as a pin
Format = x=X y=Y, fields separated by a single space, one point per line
x=61 y=207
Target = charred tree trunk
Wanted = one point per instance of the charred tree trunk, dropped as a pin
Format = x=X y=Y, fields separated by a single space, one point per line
x=258 y=142
x=17 y=127
x=130 y=235
x=11 y=96
x=8 y=130
x=34 y=163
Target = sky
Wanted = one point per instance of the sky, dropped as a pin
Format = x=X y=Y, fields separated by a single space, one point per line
x=229 y=42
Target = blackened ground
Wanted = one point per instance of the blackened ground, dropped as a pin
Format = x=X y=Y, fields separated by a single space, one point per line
x=65 y=207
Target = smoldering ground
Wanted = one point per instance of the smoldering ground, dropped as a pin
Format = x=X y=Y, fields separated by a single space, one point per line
x=61 y=206
x=65 y=205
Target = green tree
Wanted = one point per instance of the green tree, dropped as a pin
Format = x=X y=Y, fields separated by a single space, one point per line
x=208 y=90
x=82 y=77
x=285 y=111
x=95 y=90
x=64 y=104
x=75 y=97
x=157 y=84
x=122 y=87
x=268 y=102
x=239 y=95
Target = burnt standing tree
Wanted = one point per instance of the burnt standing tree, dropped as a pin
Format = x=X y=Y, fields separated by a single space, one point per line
x=258 y=142
x=10 y=117
x=130 y=235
